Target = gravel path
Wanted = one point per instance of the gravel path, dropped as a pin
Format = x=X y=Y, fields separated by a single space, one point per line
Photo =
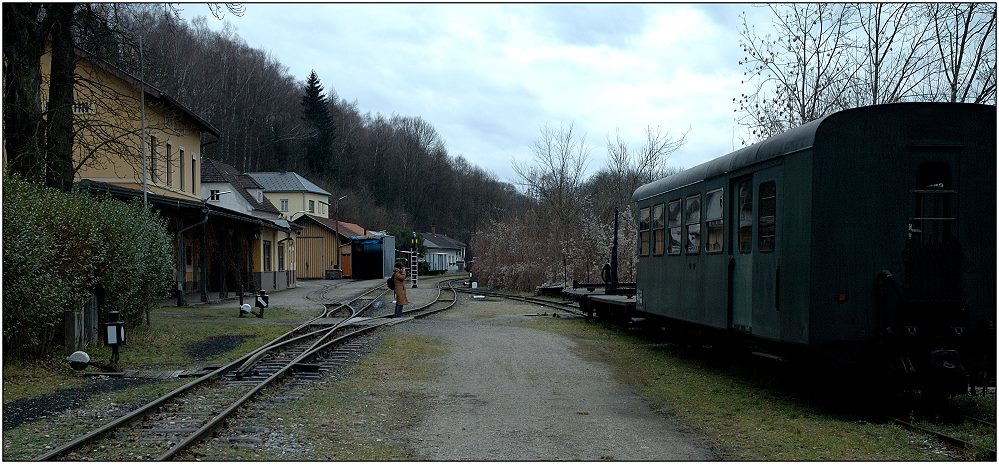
x=512 y=393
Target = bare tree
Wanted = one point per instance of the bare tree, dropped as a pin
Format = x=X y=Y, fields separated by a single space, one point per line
x=828 y=57
x=629 y=168
x=965 y=38
x=895 y=57
x=24 y=38
x=650 y=161
x=800 y=73
x=555 y=181
x=555 y=178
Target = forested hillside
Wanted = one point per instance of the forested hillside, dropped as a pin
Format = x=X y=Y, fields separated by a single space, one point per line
x=394 y=169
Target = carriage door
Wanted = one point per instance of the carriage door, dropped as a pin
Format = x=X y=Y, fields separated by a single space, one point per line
x=753 y=269
x=741 y=252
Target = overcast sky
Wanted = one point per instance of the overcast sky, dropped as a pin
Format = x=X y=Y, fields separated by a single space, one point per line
x=488 y=77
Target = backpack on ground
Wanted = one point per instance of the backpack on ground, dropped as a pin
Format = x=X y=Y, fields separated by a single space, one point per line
x=390 y=283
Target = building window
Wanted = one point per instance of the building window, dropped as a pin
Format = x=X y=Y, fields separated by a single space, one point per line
x=284 y=205
x=658 y=230
x=194 y=174
x=767 y=216
x=643 y=232
x=214 y=195
x=714 y=207
x=312 y=206
x=152 y=158
x=692 y=210
x=169 y=164
x=267 y=256
x=674 y=214
x=182 y=169
x=280 y=256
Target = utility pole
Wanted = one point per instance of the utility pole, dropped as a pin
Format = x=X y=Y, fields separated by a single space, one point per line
x=142 y=129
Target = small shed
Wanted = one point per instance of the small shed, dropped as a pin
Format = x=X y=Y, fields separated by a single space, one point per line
x=372 y=257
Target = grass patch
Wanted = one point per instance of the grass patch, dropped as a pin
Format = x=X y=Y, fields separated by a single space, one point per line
x=375 y=404
x=745 y=421
x=162 y=345
x=26 y=379
x=165 y=343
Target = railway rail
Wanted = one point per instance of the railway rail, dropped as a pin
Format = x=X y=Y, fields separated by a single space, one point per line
x=177 y=420
x=951 y=440
x=565 y=307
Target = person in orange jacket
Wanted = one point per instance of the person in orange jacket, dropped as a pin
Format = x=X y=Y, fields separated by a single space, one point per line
x=399 y=274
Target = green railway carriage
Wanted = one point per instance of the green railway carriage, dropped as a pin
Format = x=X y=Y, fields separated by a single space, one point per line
x=868 y=236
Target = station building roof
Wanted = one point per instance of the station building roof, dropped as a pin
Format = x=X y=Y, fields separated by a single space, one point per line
x=286 y=182
x=213 y=171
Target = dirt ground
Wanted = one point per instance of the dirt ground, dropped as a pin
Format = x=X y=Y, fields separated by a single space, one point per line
x=512 y=393
x=508 y=392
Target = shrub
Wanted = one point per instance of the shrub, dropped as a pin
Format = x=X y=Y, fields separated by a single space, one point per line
x=59 y=247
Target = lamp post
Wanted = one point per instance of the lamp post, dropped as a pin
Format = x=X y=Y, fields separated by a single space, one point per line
x=337 y=219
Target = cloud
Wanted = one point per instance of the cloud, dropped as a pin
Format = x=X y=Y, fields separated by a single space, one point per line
x=488 y=76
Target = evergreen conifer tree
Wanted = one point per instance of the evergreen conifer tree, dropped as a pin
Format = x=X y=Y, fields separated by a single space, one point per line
x=316 y=113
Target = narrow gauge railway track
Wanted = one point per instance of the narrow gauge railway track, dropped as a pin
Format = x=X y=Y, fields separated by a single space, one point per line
x=569 y=308
x=174 y=422
x=951 y=440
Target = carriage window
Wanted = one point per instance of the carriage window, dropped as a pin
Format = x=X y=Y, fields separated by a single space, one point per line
x=767 y=216
x=934 y=194
x=675 y=226
x=643 y=232
x=745 y=216
x=658 y=230
x=692 y=209
x=714 y=217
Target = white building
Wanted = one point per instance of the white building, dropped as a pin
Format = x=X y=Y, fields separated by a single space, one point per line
x=443 y=253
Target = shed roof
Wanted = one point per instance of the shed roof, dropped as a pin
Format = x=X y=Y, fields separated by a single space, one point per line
x=432 y=240
x=217 y=171
x=286 y=182
x=347 y=229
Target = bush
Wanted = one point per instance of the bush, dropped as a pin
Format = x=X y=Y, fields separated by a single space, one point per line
x=59 y=247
